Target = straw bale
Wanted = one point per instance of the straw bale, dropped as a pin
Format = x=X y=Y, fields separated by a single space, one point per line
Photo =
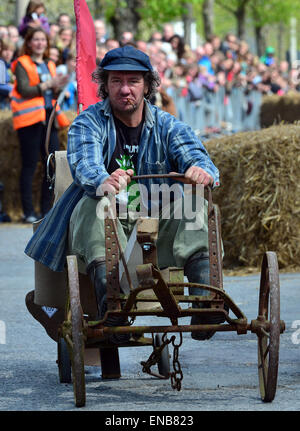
x=10 y=165
x=280 y=109
x=259 y=197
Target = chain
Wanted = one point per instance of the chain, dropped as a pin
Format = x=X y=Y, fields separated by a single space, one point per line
x=176 y=375
x=155 y=357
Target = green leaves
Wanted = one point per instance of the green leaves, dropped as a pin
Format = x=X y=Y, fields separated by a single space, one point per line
x=273 y=11
x=159 y=11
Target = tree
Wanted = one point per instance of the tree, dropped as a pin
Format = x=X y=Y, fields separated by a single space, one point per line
x=126 y=17
x=99 y=9
x=267 y=12
x=157 y=12
x=238 y=8
x=187 y=19
x=7 y=13
x=208 y=17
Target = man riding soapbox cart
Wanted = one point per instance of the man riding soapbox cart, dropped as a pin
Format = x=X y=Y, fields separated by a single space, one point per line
x=137 y=287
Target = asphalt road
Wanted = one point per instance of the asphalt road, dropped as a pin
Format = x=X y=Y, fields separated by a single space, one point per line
x=218 y=374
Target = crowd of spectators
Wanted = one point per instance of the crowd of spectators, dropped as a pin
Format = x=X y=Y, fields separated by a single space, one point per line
x=216 y=63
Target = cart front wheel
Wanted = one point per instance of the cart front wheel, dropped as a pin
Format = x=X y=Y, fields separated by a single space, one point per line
x=268 y=341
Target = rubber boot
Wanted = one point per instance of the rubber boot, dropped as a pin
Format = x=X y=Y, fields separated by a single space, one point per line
x=97 y=273
x=197 y=271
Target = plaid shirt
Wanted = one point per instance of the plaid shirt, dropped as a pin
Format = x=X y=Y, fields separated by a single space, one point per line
x=166 y=145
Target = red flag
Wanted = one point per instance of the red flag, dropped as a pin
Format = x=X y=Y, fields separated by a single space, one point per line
x=85 y=55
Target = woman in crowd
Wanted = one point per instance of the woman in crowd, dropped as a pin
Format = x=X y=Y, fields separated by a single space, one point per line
x=178 y=46
x=32 y=102
x=65 y=42
x=34 y=18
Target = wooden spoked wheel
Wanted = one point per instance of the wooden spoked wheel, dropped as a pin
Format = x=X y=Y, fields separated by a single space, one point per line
x=268 y=341
x=77 y=342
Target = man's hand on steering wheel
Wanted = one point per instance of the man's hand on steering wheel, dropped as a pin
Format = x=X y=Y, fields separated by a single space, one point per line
x=117 y=181
x=196 y=175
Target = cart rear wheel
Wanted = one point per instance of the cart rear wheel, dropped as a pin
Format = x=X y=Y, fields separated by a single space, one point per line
x=268 y=342
x=77 y=356
x=64 y=361
x=164 y=362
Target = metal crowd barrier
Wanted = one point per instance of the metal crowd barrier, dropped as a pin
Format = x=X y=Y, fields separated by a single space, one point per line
x=236 y=112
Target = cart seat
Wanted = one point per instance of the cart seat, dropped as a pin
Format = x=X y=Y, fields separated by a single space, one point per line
x=63 y=177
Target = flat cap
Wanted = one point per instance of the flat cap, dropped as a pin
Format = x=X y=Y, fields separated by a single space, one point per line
x=126 y=58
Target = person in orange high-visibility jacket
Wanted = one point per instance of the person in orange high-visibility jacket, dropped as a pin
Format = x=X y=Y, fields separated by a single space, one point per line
x=32 y=101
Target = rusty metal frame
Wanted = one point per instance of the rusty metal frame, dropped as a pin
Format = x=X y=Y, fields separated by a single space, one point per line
x=165 y=289
x=168 y=290
x=168 y=287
